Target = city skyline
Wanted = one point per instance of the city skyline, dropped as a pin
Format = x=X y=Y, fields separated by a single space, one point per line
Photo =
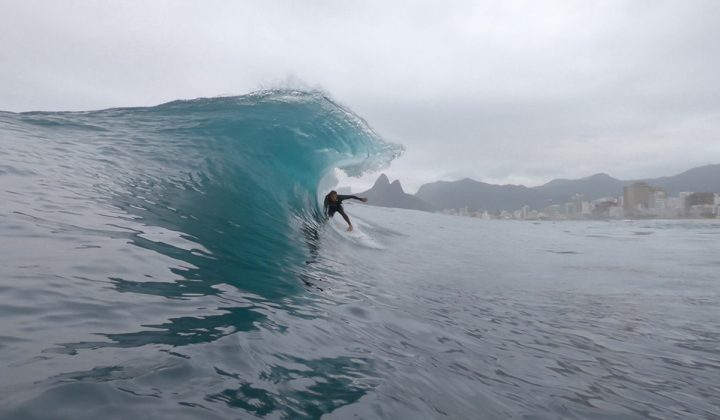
x=597 y=196
x=656 y=205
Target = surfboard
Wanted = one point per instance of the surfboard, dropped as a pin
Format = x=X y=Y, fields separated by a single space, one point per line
x=356 y=235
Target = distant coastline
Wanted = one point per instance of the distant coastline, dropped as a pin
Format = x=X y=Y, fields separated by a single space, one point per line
x=693 y=194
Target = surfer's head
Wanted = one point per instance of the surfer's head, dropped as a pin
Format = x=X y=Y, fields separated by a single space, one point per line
x=332 y=195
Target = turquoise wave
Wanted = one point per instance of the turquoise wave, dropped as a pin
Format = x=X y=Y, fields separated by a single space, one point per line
x=237 y=177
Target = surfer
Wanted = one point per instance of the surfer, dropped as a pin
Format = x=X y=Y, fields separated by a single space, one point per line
x=333 y=204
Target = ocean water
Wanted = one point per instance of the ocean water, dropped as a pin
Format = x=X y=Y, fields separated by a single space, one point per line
x=171 y=262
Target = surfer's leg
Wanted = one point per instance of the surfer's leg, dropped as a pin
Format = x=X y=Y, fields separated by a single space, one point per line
x=347 y=219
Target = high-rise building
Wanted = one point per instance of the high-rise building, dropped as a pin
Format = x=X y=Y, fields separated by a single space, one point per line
x=699 y=198
x=700 y=204
x=577 y=201
x=638 y=198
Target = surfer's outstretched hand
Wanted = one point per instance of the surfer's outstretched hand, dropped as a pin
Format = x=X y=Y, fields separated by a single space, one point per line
x=364 y=199
x=349 y=229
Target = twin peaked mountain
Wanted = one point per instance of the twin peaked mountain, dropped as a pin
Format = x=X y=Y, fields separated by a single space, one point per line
x=385 y=194
x=477 y=195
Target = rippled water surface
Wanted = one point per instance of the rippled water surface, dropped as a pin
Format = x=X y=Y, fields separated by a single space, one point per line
x=454 y=317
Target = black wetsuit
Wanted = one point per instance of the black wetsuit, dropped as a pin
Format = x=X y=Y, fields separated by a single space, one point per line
x=336 y=206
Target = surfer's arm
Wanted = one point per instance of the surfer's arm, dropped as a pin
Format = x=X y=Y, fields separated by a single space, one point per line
x=345 y=197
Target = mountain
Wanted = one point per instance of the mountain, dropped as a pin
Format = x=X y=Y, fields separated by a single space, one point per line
x=702 y=179
x=592 y=188
x=477 y=195
x=386 y=194
x=481 y=196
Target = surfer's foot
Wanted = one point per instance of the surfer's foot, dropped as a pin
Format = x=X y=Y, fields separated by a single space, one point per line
x=349 y=229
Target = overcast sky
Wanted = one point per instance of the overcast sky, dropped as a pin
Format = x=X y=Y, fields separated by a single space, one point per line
x=501 y=91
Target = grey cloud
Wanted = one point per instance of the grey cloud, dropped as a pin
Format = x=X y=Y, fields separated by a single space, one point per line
x=509 y=91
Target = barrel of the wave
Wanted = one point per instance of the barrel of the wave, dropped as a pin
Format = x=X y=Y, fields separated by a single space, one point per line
x=243 y=180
